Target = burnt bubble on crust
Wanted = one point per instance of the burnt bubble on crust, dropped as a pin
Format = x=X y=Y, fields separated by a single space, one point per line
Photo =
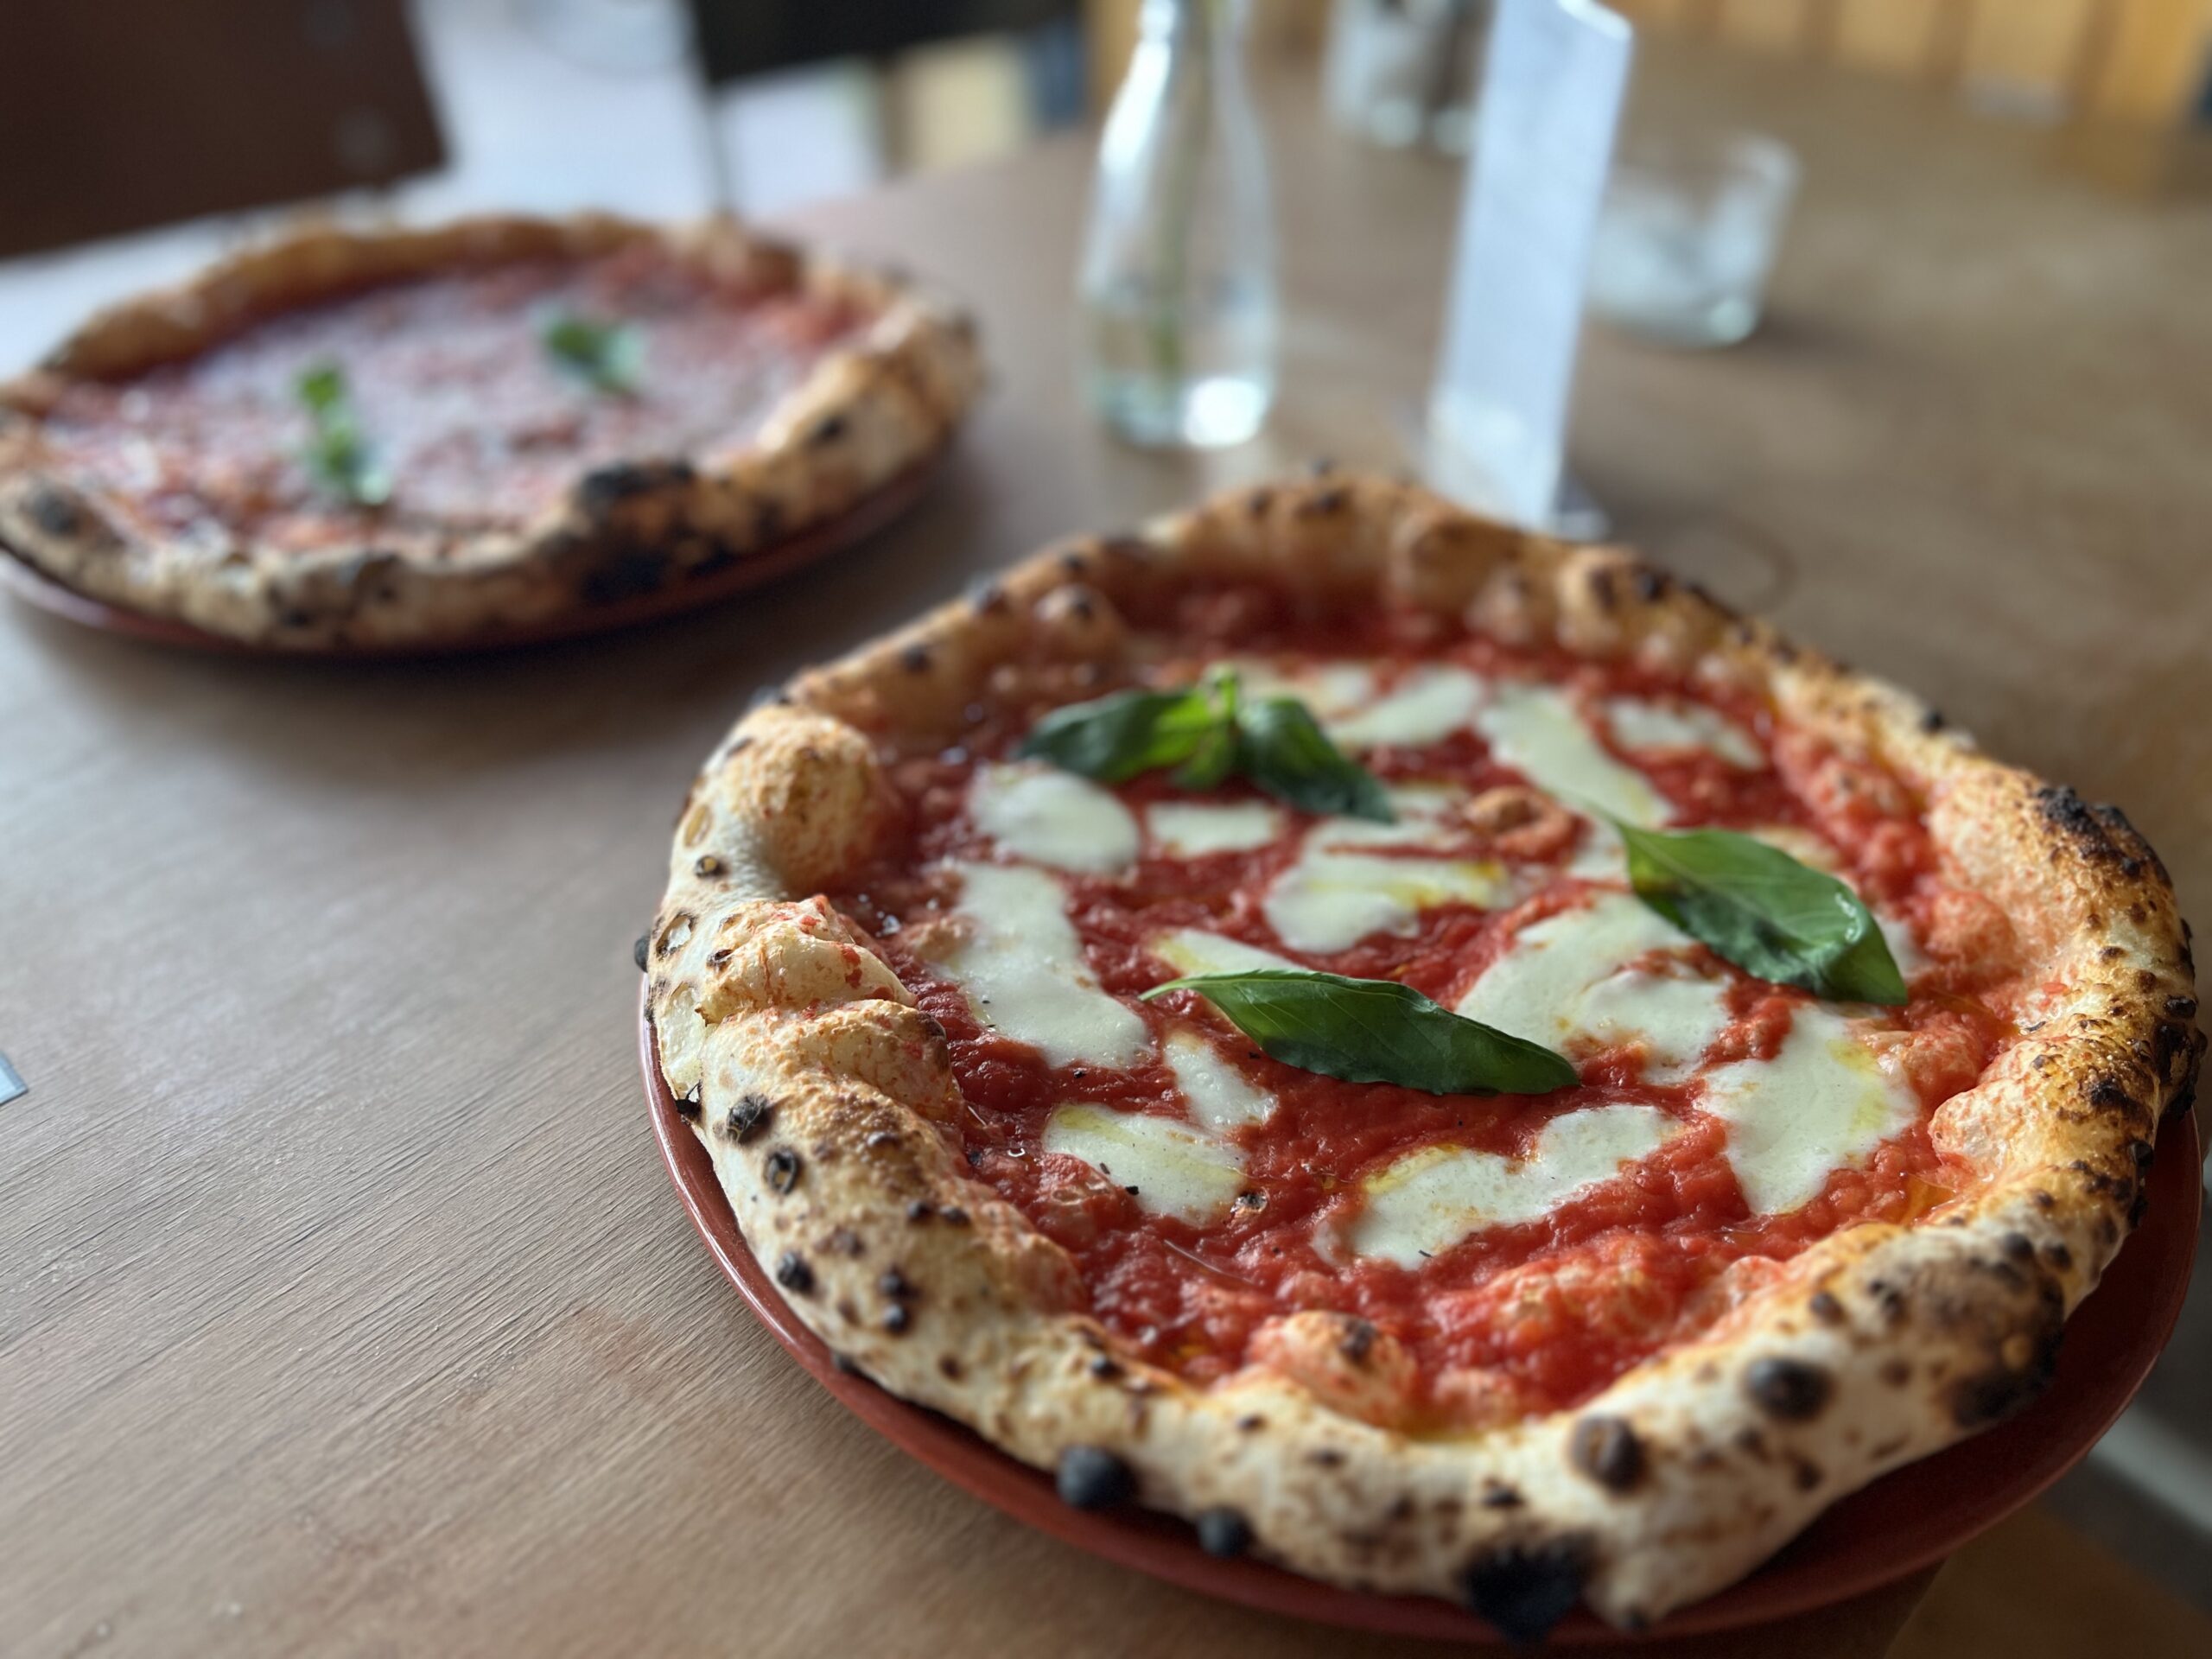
x=2013 y=1380
x=1091 y=1478
x=793 y=1273
x=1224 y=1531
x=56 y=511
x=1789 y=1389
x=1524 y=1590
x=642 y=950
x=748 y=1117
x=782 y=1169
x=2099 y=832
x=1607 y=1449
x=606 y=486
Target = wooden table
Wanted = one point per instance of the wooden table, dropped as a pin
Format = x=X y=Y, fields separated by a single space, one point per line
x=344 y=1306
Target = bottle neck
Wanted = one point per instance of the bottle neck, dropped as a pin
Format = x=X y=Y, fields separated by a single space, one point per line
x=1197 y=22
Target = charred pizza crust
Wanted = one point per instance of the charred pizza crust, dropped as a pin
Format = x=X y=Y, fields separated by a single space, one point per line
x=820 y=1090
x=867 y=412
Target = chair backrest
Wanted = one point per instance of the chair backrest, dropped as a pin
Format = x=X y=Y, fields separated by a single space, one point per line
x=117 y=114
x=737 y=38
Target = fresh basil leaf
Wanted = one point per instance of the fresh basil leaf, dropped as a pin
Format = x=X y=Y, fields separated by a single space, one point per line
x=322 y=388
x=1375 y=1031
x=1207 y=733
x=1766 y=913
x=1215 y=758
x=337 y=453
x=1115 y=738
x=1282 y=749
x=607 y=356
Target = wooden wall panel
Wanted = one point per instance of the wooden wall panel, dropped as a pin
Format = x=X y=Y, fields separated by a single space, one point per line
x=2153 y=63
x=2033 y=49
x=1779 y=26
x=1897 y=37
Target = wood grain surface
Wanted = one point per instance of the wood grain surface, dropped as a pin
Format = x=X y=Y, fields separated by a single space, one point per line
x=344 y=1307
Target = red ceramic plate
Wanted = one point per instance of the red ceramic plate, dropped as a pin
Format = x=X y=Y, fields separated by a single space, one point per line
x=1905 y=1521
x=864 y=518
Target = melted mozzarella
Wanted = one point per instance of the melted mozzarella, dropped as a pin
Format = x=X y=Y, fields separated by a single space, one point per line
x=1329 y=691
x=1018 y=960
x=1194 y=828
x=1055 y=817
x=1192 y=951
x=1172 y=1168
x=1641 y=724
x=1821 y=1103
x=1537 y=730
x=1567 y=982
x=1431 y=1200
x=1219 y=1096
x=1338 y=891
x=1425 y=706
x=1904 y=949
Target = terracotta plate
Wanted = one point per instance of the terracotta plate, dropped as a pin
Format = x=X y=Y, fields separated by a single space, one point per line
x=863 y=519
x=1905 y=1521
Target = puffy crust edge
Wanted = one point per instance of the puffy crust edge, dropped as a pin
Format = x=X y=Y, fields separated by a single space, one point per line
x=819 y=1089
x=866 y=413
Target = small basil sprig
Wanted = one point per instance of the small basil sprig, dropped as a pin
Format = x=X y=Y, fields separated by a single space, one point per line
x=338 y=454
x=1375 y=1031
x=1208 y=732
x=606 y=356
x=1766 y=913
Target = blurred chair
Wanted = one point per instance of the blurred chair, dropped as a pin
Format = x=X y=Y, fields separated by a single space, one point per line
x=824 y=96
x=117 y=114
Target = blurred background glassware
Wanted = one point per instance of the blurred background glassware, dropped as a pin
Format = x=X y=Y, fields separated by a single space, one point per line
x=614 y=36
x=1401 y=72
x=1688 y=235
x=1177 y=287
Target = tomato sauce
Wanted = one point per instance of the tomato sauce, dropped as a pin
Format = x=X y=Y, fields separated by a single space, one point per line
x=1547 y=1312
x=472 y=419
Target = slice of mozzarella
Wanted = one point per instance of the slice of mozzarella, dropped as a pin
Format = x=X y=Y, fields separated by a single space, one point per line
x=1537 y=730
x=1195 y=828
x=1220 y=1097
x=1055 y=817
x=1663 y=727
x=1569 y=983
x=1339 y=891
x=1193 y=951
x=1426 y=705
x=1429 y=1200
x=1329 y=691
x=1018 y=959
x=1821 y=1104
x=1171 y=1168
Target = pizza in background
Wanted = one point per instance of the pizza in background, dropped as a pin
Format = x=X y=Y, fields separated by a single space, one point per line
x=431 y=437
x=1447 y=1058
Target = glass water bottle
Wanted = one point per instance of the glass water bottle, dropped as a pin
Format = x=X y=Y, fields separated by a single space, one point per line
x=1178 y=286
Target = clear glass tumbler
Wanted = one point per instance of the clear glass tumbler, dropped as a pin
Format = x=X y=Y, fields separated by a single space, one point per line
x=1177 y=282
x=1687 y=236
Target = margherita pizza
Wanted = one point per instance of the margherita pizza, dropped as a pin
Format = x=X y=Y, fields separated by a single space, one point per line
x=1447 y=1058
x=408 y=438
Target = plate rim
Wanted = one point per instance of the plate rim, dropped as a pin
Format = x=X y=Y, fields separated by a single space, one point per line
x=873 y=511
x=1164 y=1546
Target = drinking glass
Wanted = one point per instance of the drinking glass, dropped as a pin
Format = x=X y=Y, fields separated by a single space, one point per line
x=1688 y=235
